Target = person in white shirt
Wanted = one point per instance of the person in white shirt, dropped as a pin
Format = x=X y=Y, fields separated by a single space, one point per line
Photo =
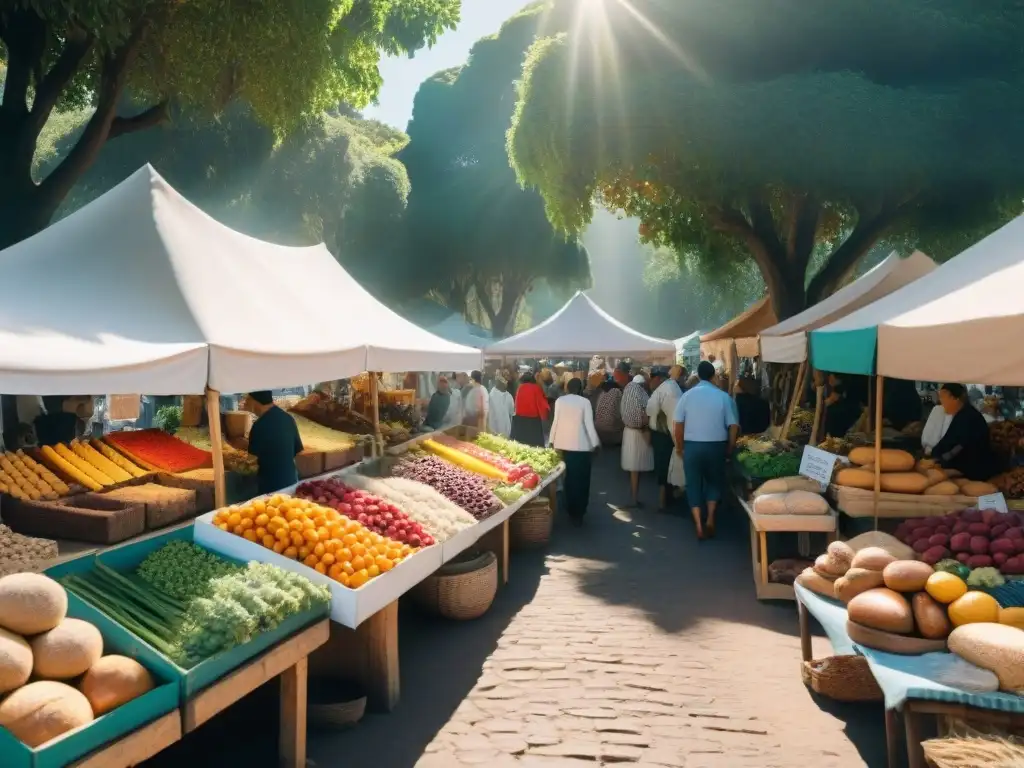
x=500 y=408
x=935 y=428
x=661 y=410
x=474 y=400
x=574 y=436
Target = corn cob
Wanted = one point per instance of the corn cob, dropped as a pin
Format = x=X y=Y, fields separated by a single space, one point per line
x=83 y=466
x=100 y=462
x=464 y=460
x=118 y=459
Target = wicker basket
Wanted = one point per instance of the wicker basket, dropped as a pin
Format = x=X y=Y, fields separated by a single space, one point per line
x=843 y=678
x=530 y=527
x=334 y=704
x=463 y=589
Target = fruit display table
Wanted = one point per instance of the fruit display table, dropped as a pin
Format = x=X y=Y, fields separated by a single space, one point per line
x=137 y=746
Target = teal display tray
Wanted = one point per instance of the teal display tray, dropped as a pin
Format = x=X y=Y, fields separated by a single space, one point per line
x=110 y=727
x=126 y=557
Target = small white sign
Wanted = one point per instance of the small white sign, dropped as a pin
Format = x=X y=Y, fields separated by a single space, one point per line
x=994 y=501
x=818 y=464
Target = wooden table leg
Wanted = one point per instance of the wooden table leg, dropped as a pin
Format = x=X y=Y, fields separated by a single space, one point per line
x=292 y=742
x=762 y=546
x=553 y=495
x=497 y=541
x=805 y=631
x=892 y=738
x=912 y=725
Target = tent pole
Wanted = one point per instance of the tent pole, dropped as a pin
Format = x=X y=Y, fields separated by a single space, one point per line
x=792 y=400
x=378 y=447
x=216 y=447
x=879 y=380
x=819 y=407
x=871 y=404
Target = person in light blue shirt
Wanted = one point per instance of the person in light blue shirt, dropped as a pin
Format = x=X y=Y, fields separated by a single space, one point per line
x=705 y=435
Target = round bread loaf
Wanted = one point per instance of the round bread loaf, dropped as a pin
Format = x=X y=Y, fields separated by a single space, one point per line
x=872 y=558
x=907 y=575
x=883 y=609
x=930 y=617
x=855 y=581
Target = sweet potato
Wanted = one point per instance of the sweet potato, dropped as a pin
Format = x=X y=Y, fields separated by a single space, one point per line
x=960 y=542
x=979 y=529
x=979 y=561
x=1015 y=533
x=1014 y=566
x=938 y=540
x=920 y=545
x=979 y=545
x=998 y=530
x=1000 y=558
x=944 y=529
x=960 y=526
x=1002 y=545
x=932 y=555
x=963 y=557
x=971 y=515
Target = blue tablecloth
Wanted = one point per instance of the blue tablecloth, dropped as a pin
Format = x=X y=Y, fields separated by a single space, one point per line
x=903 y=677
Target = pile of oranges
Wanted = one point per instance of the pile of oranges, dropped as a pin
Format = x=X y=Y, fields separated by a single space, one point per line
x=317 y=536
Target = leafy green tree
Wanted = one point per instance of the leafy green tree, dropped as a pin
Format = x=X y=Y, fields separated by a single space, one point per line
x=473 y=236
x=766 y=131
x=285 y=59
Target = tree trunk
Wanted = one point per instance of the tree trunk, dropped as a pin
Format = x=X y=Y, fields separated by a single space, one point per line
x=23 y=212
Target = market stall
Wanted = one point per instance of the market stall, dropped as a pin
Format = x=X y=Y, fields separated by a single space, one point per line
x=738 y=337
x=580 y=329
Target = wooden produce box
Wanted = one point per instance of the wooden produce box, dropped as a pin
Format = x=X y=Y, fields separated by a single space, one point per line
x=164 y=505
x=198 y=480
x=309 y=464
x=342 y=459
x=856 y=502
x=86 y=517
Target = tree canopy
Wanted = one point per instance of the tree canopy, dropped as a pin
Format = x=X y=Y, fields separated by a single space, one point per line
x=285 y=59
x=472 y=235
x=737 y=130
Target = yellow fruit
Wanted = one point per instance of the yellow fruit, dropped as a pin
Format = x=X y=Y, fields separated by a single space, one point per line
x=1013 y=617
x=973 y=608
x=945 y=587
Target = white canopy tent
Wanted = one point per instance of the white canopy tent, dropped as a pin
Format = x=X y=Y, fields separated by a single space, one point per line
x=688 y=347
x=581 y=328
x=140 y=291
x=455 y=328
x=967 y=314
x=787 y=341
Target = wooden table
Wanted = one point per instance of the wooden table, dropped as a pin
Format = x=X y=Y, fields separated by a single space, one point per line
x=287 y=660
x=137 y=746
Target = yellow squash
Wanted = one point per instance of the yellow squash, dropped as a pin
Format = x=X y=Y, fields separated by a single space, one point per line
x=70 y=469
x=464 y=460
x=118 y=459
x=101 y=462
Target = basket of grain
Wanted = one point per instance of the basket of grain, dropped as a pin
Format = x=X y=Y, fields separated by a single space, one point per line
x=530 y=527
x=461 y=589
x=843 y=678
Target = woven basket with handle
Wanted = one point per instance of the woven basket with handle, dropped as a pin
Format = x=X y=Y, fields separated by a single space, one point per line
x=843 y=678
x=463 y=589
x=530 y=527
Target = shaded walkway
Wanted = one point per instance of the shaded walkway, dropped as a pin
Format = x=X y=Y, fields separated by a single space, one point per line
x=628 y=641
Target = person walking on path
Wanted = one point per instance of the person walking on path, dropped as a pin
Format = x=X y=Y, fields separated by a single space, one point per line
x=574 y=436
x=661 y=409
x=705 y=434
x=501 y=408
x=474 y=401
x=531 y=410
x=637 y=455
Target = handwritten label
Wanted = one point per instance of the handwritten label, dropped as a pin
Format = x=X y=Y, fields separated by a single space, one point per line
x=818 y=464
x=994 y=501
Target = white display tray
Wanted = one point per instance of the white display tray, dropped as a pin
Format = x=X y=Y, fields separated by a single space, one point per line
x=349 y=607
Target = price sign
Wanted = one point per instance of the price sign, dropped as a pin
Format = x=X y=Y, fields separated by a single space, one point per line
x=818 y=464
x=994 y=501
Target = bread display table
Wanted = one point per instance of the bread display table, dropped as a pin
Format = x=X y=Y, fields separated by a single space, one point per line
x=761 y=526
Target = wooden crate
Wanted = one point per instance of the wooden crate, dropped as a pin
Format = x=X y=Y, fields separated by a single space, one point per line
x=198 y=480
x=164 y=504
x=856 y=502
x=85 y=517
x=309 y=464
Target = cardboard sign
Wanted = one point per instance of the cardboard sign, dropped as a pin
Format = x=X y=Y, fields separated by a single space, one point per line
x=819 y=465
x=994 y=501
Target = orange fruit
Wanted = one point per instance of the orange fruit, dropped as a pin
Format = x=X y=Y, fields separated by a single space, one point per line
x=262 y=520
x=358 y=563
x=304 y=552
x=310 y=535
x=295 y=525
x=310 y=560
x=320 y=568
x=268 y=541
x=279 y=547
x=222 y=526
x=249 y=535
x=393 y=553
x=358 y=549
x=331 y=546
x=357 y=579
x=344 y=579
x=297 y=540
x=260 y=533
x=347 y=568
x=385 y=565
x=320 y=549
x=234 y=519
x=334 y=571
x=349 y=539
x=246 y=523
x=323 y=533
x=291 y=552
x=238 y=530
x=327 y=557
x=282 y=534
x=373 y=570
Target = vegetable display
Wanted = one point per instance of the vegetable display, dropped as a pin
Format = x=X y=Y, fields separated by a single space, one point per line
x=117 y=458
x=465 y=461
x=440 y=517
x=467 y=490
x=72 y=683
x=767 y=465
x=24 y=478
x=373 y=511
x=978 y=538
x=160 y=450
x=543 y=460
x=239 y=462
x=319 y=537
x=317 y=437
x=217 y=605
x=23 y=553
x=515 y=479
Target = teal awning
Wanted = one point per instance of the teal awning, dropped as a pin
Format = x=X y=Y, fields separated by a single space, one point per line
x=850 y=351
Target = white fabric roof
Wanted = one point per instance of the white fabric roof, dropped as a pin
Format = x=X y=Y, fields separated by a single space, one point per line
x=689 y=343
x=582 y=328
x=140 y=291
x=787 y=341
x=963 y=320
x=455 y=328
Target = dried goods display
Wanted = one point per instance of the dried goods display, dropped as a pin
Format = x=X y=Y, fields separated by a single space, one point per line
x=235 y=460
x=837 y=445
x=324 y=410
x=1011 y=483
x=440 y=517
x=978 y=538
x=316 y=437
x=483 y=462
x=801 y=424
x=901 y=473
x=1006 y=437
x=190 y=604
x=160 y=450
x=368 y=509
x=542 y=460
x=72 y=681
x=24 y=553
x=467 y=490
x=317 y=536
x=24 y=478
x=118 y=459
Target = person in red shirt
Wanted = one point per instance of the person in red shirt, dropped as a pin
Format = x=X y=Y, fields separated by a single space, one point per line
x=532 y=409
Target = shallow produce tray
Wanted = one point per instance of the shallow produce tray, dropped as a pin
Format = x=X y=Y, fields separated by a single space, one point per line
x=190 y=681
x=117 y=723
x=85 y=517
x=349 y=607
